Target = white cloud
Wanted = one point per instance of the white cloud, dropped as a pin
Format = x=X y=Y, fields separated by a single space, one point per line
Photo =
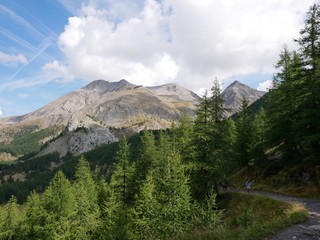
x=265 y=86
x=1 y=113
x=12 y=60
x=59 y=71
x=184 y=41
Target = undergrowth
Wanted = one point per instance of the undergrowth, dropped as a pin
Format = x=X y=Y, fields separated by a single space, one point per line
x=251 y=218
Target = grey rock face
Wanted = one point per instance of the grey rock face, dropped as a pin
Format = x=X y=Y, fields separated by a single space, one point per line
x=234 y=93
x=78 y=142
x=102 y=104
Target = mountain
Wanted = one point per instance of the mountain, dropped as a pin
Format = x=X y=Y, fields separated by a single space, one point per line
x=103 y=111
x=234 y=93
x=96 y=113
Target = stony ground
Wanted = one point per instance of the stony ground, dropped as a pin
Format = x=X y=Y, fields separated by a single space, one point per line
x=307 y=230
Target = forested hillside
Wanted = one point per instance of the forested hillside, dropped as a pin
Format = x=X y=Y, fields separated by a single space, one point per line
x=162 y=185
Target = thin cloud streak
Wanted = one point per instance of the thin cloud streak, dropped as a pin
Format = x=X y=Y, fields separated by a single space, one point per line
x=40 y=52
x=23 y=42
x=21 y=20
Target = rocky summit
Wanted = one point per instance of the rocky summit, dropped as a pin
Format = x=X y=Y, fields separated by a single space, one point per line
x=102 y=111
x=234 y=94
x=102 y=108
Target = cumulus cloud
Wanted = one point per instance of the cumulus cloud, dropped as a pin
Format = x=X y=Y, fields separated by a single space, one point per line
x=184 y=41
x=59 y=72
x=265 y=86
x=12 y=60
x=1 y=113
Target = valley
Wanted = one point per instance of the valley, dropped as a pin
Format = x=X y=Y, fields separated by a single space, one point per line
x=119 y=161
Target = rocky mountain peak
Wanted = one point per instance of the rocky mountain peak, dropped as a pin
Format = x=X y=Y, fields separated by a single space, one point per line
x=237 y=84
x=103 y=86
x=234 y=93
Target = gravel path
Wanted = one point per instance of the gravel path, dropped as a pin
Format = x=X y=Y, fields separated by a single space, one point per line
x=307 y=230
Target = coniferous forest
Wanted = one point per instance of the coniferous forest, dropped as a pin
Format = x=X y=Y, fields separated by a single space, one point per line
x=167 y=184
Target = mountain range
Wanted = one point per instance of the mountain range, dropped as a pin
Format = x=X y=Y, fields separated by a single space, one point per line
x=102 y=111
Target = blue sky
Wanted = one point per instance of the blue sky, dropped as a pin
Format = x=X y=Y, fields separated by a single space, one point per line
x=51 y=47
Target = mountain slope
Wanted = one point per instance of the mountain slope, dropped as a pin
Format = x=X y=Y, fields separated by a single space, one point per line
x=101 y=106
x=234 y=93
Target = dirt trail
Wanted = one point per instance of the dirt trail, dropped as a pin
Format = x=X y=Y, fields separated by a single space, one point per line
x=307 y=230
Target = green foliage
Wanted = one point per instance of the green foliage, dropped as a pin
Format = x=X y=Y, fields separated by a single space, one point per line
x=146 y=212
x=27 y=140
x=122 y=173
x=35 y=217
x=210 y=139
x=210 y=216
x=10 y=225
x=243 y=134
x=86 y=214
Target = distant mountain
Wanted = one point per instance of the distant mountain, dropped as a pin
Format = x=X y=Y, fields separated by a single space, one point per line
x=103 y=111
x=234 y=93
x=102 y=106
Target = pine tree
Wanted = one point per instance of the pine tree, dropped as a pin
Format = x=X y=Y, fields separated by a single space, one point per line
x=11 y=220
x=123 y=173
x=308 y=126
x=146 y=221
x=58 y=205
x=174 y=197
x=210 y=216
x=115 y=217
x=259 y=135
x=85 y=221
x=147 y=157
x=209 y=141
x=182 y=137
x=35 y=217
x=243 y=134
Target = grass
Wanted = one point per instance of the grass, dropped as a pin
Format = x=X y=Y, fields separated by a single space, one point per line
x=288 y=181
x=251 y=218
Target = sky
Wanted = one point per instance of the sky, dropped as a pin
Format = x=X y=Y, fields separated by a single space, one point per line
x=49 y=48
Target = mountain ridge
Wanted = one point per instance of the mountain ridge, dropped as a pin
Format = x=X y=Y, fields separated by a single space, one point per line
x=101 y=105
x=234 y=93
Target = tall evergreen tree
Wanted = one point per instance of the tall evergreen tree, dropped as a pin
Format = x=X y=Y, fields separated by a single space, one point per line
x=146 y=221
x=10 y=225
x=243 y=134
x=85 y=221
x=122 y=175
x=146 y=161
x=174 y=197
x=35 y=217
x=308 y=126
x=259 y=135
x=58 y=204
